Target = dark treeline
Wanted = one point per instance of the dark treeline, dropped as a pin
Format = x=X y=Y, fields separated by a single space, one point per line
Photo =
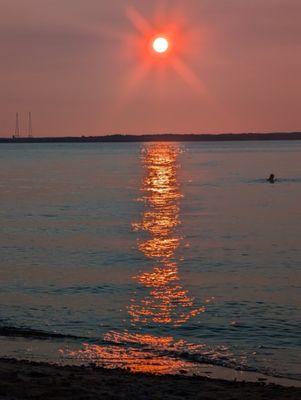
x=158 y=138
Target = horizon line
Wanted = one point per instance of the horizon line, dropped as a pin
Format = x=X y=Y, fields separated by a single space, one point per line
x=164 y=137
x=49 y=136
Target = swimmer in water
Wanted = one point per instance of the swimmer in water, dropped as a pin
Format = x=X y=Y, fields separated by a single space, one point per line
x=271 y=178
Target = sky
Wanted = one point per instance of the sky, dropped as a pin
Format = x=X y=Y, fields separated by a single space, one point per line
x=83 y=67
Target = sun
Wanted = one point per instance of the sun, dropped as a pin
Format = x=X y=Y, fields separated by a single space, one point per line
x=160 y=44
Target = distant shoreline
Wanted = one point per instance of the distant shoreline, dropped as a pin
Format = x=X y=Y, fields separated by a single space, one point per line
x=225 y=137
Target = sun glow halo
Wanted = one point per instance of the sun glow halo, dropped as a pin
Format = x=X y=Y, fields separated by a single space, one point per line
x=160 y=45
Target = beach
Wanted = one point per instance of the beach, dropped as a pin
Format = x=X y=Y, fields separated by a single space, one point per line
x=27 y=380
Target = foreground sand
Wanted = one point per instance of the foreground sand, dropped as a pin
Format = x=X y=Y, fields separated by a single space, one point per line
x=25 y=380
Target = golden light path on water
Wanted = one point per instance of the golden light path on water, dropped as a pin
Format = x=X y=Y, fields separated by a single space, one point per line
x=166 y=303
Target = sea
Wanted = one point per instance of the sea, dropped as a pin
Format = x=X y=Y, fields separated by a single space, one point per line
x=152 y=257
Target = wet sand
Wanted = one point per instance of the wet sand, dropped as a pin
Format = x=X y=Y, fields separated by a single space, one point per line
x=27 y=380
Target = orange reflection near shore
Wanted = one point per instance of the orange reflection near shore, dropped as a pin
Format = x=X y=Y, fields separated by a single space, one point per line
x=141 y=353
x=135 y=360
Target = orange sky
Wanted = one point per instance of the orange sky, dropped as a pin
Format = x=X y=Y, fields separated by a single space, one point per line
x=80 y=66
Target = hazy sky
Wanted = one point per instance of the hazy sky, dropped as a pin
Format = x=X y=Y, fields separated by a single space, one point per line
x=76 y=65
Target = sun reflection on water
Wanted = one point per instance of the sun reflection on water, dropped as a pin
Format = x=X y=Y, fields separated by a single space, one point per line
x=167 y=301
x=164 y=301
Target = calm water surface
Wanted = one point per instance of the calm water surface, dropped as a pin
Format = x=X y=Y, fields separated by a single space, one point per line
x=152 y=256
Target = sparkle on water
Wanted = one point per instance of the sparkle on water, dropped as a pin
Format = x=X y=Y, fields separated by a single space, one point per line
x=166 y=301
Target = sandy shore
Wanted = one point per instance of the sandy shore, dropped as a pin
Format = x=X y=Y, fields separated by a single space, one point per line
x=27 y=380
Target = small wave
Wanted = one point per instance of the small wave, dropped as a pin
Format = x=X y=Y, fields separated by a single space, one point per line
x=164 y=355
x=287 y=180
x=11 y=331
x=123 y=349
x=277 y=180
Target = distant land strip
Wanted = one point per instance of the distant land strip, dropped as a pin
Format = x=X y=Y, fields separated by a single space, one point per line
x=158 y=138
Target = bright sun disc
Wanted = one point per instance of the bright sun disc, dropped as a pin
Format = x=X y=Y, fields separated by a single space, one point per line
x=160 y=45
